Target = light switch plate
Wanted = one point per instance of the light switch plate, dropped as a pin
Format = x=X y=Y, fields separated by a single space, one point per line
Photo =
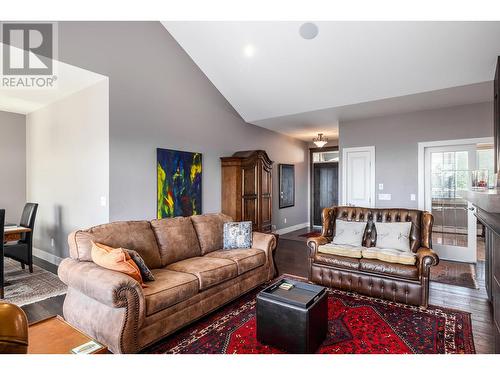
x=384 y=197
x=381 y=186
x=413 y=197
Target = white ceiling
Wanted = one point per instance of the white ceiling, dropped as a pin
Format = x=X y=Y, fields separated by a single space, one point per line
x=350 y=70
x=70 y=79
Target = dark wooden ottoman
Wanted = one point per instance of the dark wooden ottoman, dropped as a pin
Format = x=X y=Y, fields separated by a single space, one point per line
x=294 y=320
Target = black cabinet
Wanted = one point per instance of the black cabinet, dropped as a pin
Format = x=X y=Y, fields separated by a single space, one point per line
x=294 y=320
x=492 y=266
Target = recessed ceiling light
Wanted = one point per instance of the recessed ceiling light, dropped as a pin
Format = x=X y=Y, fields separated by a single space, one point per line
x=249 y=50
x=308 y=30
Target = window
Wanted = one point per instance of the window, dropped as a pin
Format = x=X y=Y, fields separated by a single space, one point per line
x=326 y=157
x=485 y=160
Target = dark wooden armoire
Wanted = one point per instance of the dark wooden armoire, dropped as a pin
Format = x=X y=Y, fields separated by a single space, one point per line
x=247 y=188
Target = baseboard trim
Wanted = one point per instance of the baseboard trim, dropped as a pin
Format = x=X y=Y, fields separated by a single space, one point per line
x=292 y=228
x=51 y=258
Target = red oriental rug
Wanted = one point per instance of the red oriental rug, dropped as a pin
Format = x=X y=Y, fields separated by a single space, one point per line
x=357 y=325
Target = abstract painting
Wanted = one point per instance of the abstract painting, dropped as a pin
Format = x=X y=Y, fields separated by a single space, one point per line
x=179 y=183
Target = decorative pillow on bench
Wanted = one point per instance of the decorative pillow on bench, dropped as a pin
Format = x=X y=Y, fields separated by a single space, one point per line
x=238 y=235
x=115 y=259
x=393 y=236
x=341 y=250
x=349 y=232
x=389 y=255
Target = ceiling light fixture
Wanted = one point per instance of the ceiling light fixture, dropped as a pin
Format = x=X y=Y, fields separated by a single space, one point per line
x=308 y=30
x=320 y=141
x=249 y=50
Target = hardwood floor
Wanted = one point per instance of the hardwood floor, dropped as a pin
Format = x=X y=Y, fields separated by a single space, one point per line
x=291 y=258
x=46 y=308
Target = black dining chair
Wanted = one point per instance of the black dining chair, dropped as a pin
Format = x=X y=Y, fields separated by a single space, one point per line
x=2 y=224
x=22 y=250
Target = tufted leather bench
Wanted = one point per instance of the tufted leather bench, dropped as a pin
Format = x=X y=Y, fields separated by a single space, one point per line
x=376 y=278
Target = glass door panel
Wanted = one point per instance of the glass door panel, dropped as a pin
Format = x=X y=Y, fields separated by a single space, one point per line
x=447 y=179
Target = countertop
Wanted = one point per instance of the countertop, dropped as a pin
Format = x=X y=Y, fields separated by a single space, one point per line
x=487 y=200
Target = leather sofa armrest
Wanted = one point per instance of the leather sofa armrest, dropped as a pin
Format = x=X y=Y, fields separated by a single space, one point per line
x=314 y=242
x=111 y=288
x=426 y=258
x=267 y=243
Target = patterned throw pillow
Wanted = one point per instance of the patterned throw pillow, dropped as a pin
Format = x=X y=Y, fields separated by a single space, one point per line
x=349 y=232
x=238 y=235
x=145 y=271
x=393 y=236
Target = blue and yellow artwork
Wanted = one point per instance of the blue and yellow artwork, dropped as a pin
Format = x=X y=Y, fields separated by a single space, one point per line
x=179 y=183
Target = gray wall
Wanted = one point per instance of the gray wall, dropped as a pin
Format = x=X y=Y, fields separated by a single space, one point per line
x=160 y=98
x=12 y=164
x=396 y=137
x=68 y=167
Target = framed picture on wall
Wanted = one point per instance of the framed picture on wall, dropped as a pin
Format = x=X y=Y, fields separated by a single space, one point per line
x=287 y=185
x=179 y=183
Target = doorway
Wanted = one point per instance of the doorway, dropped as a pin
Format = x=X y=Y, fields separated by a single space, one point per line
x=324 y=181
x=445 y=169
x=358 y=176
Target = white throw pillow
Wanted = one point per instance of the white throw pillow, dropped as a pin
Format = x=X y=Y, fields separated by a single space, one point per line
x=349 y=232
x=393 y=236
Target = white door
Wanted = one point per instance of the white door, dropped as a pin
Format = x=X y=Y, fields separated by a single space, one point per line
x=447 y=177
x=358 y=176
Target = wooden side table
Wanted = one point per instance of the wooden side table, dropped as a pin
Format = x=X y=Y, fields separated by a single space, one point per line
x=55 y=336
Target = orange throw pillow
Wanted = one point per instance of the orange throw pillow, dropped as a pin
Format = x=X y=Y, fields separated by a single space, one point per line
x=115 y=260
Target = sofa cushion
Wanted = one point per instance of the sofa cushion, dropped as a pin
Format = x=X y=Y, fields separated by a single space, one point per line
x=245 y=259
x=393 y=235
x=115 y=259
x=177 y=239
x=169 y=288
x=388 y=269
x=342 y=250
x=389 y=255
x=238 y=235
x=210 y=230
x=134 y=235
x=349 y=232
x=209 y=271
x=337 y=261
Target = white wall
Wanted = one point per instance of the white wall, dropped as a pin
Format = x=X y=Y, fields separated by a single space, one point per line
x=396 y=139
x=68 y=167
x=12 y=165
x=160 y=98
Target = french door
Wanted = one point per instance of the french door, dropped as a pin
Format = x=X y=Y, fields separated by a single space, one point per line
x=447 y=178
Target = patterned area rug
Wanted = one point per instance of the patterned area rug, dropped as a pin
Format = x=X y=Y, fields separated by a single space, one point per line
x=357 y=325
x=455 y=273
x=25 y=287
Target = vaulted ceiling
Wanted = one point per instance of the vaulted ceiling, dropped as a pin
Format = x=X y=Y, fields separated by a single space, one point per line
x=276 y=79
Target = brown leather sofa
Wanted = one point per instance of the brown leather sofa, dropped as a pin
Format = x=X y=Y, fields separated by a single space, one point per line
x=193 y=277
x=396 y=282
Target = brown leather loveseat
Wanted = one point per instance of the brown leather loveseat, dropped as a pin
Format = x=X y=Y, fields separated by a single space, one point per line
x=193 y=277
x=397 y=282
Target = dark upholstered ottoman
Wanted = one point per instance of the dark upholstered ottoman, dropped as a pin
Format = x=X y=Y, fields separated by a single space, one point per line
x=294 y=320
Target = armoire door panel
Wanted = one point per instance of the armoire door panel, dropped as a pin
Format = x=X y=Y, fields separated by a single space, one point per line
x=266 y=182
x=249 y=180
x=250 y=210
